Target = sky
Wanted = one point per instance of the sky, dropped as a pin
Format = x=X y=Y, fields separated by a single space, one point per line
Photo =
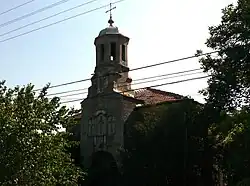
x=159 y=30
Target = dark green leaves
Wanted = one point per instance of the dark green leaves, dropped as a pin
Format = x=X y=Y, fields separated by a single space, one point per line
x=229 y=91
x=33 y=149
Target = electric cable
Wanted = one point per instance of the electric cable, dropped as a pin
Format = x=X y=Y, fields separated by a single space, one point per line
x=57 y=22
x=16 y=7
x=81 y=93
x=43 y=19
x=139 y=68
x=32 y=13
x=162 y=75
x=153 y=86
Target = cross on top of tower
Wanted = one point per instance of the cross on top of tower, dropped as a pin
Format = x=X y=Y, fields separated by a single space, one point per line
x=110 y=11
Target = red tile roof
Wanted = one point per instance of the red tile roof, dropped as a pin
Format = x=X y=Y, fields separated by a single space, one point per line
x=149 y=96
x=154 y=96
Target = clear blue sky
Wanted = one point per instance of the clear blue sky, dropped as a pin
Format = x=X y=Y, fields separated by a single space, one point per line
x=159 y=30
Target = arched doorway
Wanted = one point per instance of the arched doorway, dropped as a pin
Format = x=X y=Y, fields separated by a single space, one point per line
x=103 y=170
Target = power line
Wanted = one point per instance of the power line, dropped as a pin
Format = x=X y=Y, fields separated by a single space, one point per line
x=38 y=21
x=192 y=95
x=172 y=61
x=57 y=22
x=77 y=94
x=81 y=93
x=33 y=13
x=64 y=84
x=162 y=75
x=139 y=68
x=75 y=90
x=166 y=78
x=154 y=86
x=16 y=7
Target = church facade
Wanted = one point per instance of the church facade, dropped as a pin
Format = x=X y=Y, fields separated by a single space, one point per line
x=110 y=98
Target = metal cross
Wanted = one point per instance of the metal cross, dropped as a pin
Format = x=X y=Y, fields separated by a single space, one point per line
x=110 y=11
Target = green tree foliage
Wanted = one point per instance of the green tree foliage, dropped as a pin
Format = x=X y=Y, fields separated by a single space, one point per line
x=164 y=145
x=228 y=91
x=232 y=144
x=218 y=135
x=229 y=86
x=32 y=146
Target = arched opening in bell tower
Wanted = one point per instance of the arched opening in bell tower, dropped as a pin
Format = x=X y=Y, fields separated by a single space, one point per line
x=102 y=52
x=112 y=51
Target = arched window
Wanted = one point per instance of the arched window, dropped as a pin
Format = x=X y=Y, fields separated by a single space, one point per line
x=102 y=52
x=112 y=51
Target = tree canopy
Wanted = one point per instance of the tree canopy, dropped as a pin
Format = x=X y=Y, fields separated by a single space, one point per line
x=33 y=148
x=228 y=91
x=229 y=85
x=164 y=145
x=217 y=147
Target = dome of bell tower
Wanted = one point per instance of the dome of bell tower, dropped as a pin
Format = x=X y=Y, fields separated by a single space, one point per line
x=109 y=30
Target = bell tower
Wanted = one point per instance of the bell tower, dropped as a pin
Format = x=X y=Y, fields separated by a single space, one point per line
x=111 y=47
x=111 y=71
x=110 y=99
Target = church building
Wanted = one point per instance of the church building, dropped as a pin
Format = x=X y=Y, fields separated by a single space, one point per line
x=110 y=98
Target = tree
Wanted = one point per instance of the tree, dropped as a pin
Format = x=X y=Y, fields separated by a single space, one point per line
x=228 y=91
x=233 y=144
x=32 y=146
x=164 y=145
x=229 y=85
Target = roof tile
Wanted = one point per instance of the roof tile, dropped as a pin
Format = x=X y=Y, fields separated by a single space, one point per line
x=154 y=96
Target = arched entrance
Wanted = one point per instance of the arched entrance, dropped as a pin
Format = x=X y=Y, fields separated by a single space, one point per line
x=103 y=170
